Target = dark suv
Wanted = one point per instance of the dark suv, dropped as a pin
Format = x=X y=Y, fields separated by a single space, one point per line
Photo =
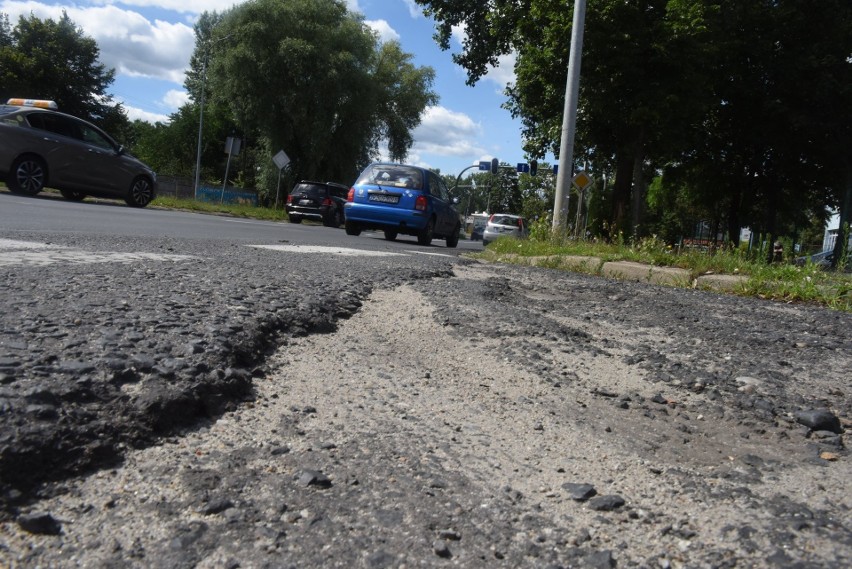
x=317 y=200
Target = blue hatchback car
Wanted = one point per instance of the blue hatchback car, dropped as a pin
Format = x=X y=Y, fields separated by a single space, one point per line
x=398 y=198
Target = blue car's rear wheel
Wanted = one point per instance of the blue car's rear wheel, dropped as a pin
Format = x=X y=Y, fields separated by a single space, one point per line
x=453 y=240
x=352 y=228
x=424 y=237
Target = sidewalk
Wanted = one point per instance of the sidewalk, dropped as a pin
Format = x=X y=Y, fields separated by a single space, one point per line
x=629 y=270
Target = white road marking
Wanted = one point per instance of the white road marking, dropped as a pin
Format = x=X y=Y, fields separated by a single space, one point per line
x=29 y=253
x=12 y=244
x=432 y=254
x=328 y=250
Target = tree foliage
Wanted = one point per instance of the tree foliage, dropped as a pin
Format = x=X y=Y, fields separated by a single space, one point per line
x=742 y=105
x=310 y=78
x=48 y=59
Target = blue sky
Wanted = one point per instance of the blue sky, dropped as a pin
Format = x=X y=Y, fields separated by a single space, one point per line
x=149 y=42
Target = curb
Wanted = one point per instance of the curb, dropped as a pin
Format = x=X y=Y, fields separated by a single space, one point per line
x=632 y=271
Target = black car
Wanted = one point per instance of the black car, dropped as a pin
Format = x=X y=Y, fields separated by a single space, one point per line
x=322 y=201
x=40 y=147
x=821 y=260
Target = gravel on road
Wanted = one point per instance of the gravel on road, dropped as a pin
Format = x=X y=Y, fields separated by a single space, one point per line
x=503 y=417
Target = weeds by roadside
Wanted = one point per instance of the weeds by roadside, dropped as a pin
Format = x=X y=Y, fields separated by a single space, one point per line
x=777 y=281
x=246 y=211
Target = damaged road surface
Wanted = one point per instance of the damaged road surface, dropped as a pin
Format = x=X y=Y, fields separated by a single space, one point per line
x=467 y=415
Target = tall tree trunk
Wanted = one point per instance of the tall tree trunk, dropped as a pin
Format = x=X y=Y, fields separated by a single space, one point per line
x=771 y=208
x=638 y=192
x=734 y=227
x=845 y=215
x=621 y=191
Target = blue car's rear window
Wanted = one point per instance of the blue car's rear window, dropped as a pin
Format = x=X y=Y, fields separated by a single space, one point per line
x=393 y=175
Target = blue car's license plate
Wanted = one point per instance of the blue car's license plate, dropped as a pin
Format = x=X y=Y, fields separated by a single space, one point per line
x=383 y=198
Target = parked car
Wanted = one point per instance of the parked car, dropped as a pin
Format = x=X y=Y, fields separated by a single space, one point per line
x=822 y=260
x=479 y=221
x=504 y=225
x=322 y=201
x=399 y=198
x=41 y=147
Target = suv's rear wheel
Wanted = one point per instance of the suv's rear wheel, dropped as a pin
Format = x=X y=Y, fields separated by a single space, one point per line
x=28 y=175
x=295 y=219
x=141 y=192
x=352 y=228
x=390 y=234
x=333 y=219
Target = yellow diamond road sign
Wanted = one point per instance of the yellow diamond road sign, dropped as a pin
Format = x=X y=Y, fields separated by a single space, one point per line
x=582 y=180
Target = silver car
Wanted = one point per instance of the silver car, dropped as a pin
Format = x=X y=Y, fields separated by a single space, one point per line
x=40 y=147
x=504 y=225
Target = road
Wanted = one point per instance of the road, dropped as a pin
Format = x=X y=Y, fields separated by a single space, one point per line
x=112 y=219
x=199 y=395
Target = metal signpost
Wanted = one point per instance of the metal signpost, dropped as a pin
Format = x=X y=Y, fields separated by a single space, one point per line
x=582 y=181
x=232 y=148
x=281 y=160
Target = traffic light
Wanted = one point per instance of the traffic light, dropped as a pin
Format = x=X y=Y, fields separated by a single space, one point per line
x=495 y=165
x=533 y=167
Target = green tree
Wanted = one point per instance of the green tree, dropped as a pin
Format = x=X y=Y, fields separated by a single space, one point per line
x=5 y=31
x=47 y=59
x=313 y=80
x=746 y=109
x=767 y=148
x=638 y=64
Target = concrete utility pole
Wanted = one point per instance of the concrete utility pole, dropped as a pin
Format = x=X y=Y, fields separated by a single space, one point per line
x=569 y=118
x=207 y=45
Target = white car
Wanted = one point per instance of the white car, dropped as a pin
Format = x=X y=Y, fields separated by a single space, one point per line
x=504 y=225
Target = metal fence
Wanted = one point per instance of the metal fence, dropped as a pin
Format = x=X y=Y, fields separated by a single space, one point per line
x=183 y=187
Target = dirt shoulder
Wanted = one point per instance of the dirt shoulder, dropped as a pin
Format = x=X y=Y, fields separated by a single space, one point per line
x=505 y=417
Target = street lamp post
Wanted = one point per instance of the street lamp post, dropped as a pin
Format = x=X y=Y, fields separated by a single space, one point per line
x=569 y=117
x=207 y=45
x=200 y=124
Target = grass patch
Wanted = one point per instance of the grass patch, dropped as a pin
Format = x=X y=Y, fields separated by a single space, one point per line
x=247 y=211
x=777 y=281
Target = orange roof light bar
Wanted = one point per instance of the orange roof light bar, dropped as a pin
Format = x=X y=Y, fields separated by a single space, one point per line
x=40 y=103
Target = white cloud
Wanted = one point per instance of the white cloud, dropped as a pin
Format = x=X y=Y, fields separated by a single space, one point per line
x=413 y=9
x=384 y=29
x=504 y=73
x=175 y=99
x=443 y=132
x=134 y=113
x=180 y=6
x=128 y=42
